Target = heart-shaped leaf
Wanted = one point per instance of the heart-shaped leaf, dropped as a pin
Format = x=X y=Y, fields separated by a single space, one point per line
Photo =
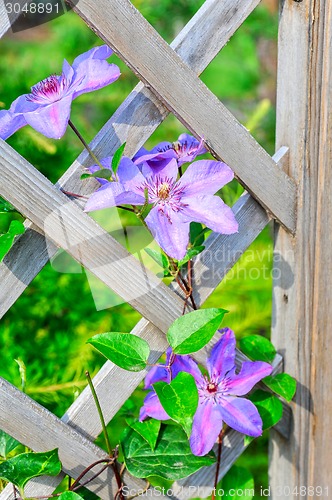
x=191 y=332
x=172 y=458
x=282 y=384
x=20 y=469
x=123 y=349
x=258 y=348
x=149 y=430
x=179 y=399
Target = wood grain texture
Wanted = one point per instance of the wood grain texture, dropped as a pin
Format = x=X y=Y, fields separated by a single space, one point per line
x=43 y=431
x=134 y=122
x=174 y=83
x=303 y=265
x=70 y=228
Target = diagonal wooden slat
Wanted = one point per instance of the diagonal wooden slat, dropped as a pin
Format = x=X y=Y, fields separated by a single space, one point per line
x=134 y=122
x=44 y=431
x=153 y=60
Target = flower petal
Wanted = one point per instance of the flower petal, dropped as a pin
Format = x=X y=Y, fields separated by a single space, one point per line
x=130 y=176
x=207 y=425
x=111 y=195
x=152 y=408
x=171 y=234
x=157 y=374
x=191 y=148
x=186 y=364
x=98 y=74
x=92 y=71
x=9 y=123
x=222 y=356
x=67 y=72
x=205 y=177
x=166 y=170
x=100 y=52
x=23 y=105
x=242 y=415
x=211 y=211
x=51 y=120
x=251 y=373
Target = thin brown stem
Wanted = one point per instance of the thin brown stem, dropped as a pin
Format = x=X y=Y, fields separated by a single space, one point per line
x=85 y=144
x=109 y=461
x=220 y=441
x=81 y=485
x=126 y=208
x=74 y=195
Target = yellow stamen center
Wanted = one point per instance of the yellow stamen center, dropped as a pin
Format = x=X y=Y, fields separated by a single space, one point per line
x=163 y=191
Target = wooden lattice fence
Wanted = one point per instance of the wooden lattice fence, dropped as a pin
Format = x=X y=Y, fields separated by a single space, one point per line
x=170 y=83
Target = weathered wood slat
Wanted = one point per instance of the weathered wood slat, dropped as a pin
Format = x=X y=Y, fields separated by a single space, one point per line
x=151 y=58
x=134 y=122
x=303 y=265
x=43 y=431
x=70 y=228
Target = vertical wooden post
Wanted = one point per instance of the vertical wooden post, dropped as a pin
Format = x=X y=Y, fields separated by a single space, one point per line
x=302 y=317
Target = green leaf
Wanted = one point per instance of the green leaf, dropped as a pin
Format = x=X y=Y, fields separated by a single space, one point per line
x=268 y=406
x=179 y=399
x=172 y=458
x=20 y=469
x=7 y=444
x=123 y=349
x=6 y=240
x=103 y=173
x=192 y=252
x=69 y=495
x=282 y=384
x=258 y=348
x=117 y=157
x=85 y=176
x=149 y=430
x=194 y=330
x=238 y=483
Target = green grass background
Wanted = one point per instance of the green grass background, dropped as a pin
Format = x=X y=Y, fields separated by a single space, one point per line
x=48 y=326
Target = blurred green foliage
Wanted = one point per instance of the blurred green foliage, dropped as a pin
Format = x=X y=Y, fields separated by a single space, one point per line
x=48 y=326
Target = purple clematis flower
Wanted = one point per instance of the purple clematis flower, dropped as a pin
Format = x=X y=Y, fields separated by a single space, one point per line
x=218 y=395
x=184 y=150
x=176 y=203
x=163 y=373
x=47 y=107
